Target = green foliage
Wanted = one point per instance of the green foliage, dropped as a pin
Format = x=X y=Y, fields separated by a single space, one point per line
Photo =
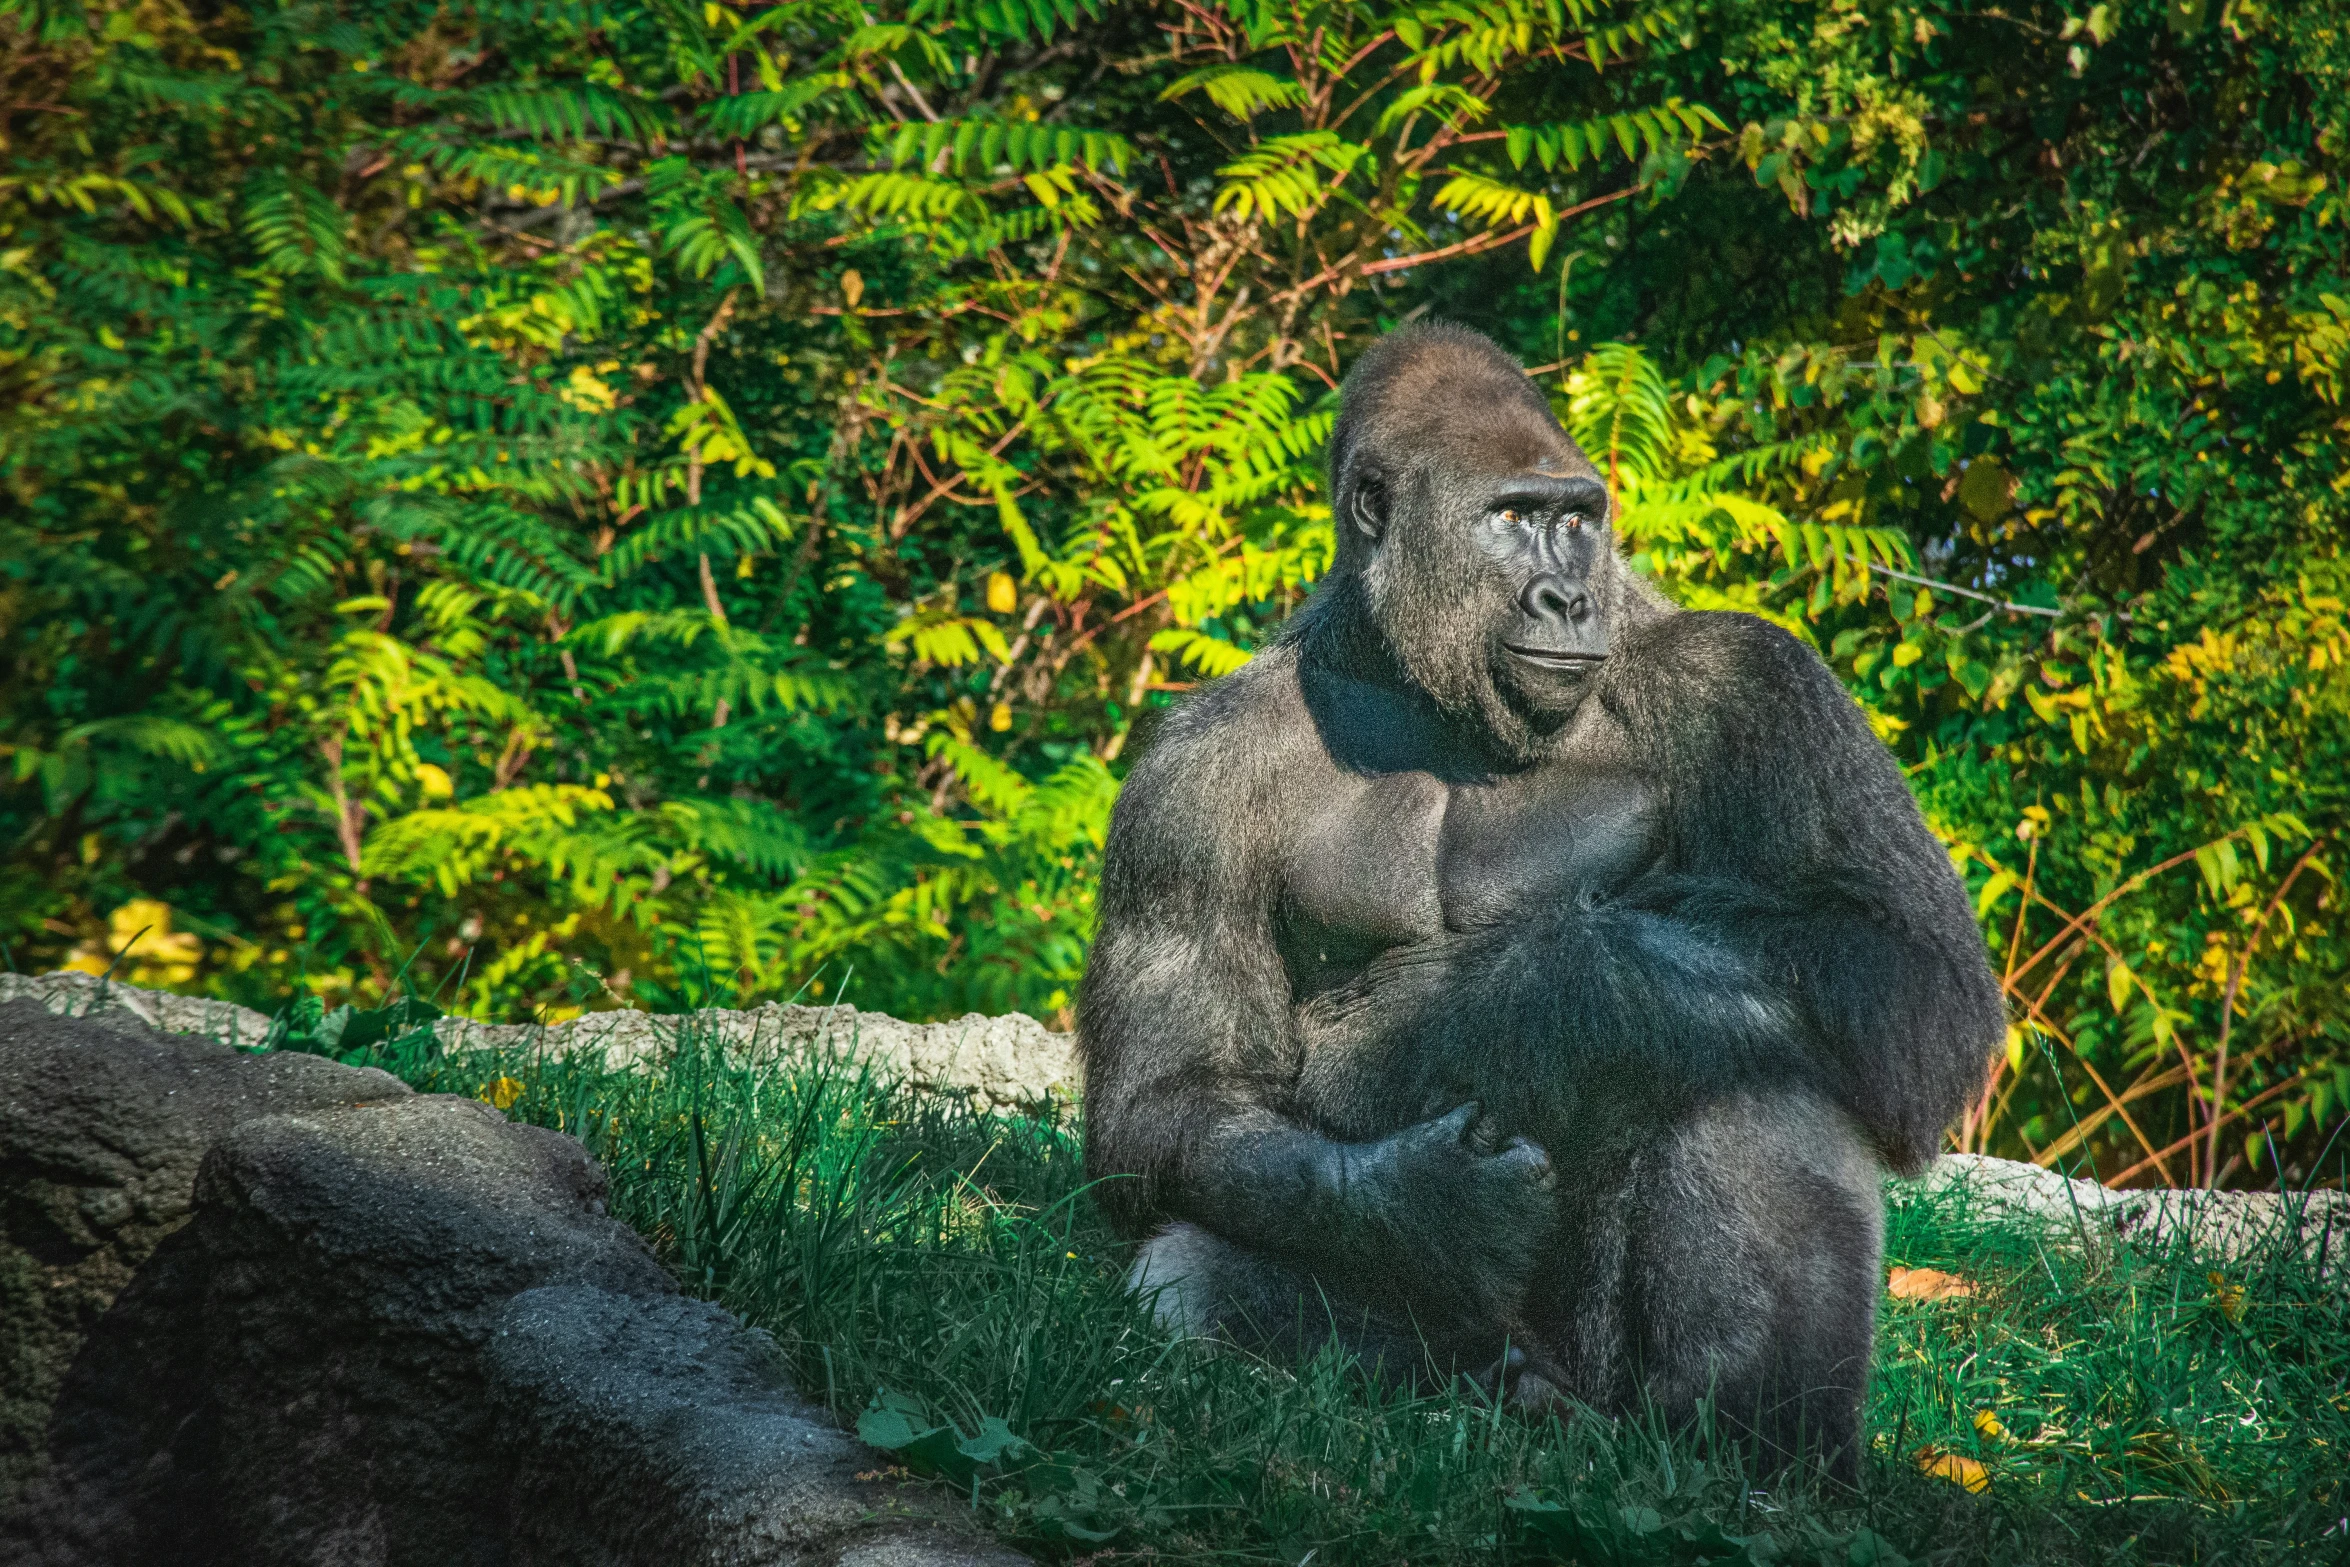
x=943 y=1282
x=578 y=504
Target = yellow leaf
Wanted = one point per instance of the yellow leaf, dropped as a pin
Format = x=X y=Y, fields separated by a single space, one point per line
x=502 y=1092
x=1926 y=1284
x=1996 y=887
x=1987 y=1424
x=1907 y=654
x=1003 y=594
x=2229 y=1296
x=2015 y=1048
x=1957 y=1468
x=1001 y=718
x=435 y=781
x=587 y=393
x=852 y=286
x=2118 y=979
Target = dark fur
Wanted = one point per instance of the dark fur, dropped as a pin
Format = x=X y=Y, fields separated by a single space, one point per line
x=1691 y=1047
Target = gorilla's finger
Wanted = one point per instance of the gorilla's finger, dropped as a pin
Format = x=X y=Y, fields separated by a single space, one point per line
x=1540 y=1389
x=1494 y=1381
x=1462 y=1124
x=1532 y=1154
x=1486 y=1133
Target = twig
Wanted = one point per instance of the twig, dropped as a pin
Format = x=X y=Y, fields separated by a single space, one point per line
x=1970 y=593
x=2259 y=1099
x=2227 y=1009
x=2148 y=1083
x=2081 y=921
x=2114 y=1102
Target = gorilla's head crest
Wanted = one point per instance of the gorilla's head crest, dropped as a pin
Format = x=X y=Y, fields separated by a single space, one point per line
x=1473 y=539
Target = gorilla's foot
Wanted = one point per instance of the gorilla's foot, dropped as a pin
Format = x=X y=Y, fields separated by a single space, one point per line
x=1527 y=1383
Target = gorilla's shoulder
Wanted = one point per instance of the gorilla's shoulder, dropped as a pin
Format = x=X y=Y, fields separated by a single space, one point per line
x=1723 y=651
x=1727 y=677
x=1228 y=732
x=1265 y=691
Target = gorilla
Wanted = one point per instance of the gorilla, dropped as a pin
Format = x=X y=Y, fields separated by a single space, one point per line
x=1512 y=975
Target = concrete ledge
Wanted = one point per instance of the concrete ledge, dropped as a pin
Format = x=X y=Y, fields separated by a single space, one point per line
x=1005 y=1063
x=2225 y=1226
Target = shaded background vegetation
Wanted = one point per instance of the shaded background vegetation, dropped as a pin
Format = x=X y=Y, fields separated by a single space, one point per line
x=556 y=506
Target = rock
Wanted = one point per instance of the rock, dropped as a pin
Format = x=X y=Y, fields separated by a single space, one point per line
x=70 y=993
x=2016 y=1190
x=2224 y=1226
x=1007 y=1063
x=650 y=1429
x=387 y=1329
x=2237 y=1226
x=102 y=1125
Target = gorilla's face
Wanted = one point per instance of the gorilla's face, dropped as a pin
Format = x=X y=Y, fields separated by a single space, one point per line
x=1545 y=544
x=1479 y=534
x=1493 y=590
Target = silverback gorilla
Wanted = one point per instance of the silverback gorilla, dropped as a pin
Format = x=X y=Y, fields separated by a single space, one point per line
x=1515 y=975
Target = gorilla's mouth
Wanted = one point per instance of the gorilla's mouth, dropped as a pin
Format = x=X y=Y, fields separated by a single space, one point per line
x=1557 y=658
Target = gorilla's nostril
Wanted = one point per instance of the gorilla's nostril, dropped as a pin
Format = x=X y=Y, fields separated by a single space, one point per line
x=1549 y=598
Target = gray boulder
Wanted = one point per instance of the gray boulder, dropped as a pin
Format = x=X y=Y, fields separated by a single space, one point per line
x=653 y=1429
x=102 y=1125
x=388 y=1329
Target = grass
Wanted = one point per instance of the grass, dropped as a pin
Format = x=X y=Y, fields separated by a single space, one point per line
x=942 y=1280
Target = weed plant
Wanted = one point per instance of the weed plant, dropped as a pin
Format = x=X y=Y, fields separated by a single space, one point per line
x=941 y=1279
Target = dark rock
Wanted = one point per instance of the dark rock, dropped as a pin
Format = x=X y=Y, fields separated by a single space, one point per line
x=353 y=1262
x=102 y=1125
x=394 y=1332
x=657 y=1430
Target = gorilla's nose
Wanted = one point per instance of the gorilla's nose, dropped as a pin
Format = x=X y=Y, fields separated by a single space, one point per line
x=1551 y=597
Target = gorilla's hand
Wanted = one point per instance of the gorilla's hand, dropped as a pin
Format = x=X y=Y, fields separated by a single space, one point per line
x=1469 y=1208
x=1446 y=1217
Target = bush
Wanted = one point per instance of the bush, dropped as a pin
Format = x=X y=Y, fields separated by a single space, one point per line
x=561 y=501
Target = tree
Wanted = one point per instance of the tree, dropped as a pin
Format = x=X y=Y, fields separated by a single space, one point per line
x=552 y=505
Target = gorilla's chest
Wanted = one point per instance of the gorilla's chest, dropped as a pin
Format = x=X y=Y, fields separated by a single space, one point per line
x=1387 y=861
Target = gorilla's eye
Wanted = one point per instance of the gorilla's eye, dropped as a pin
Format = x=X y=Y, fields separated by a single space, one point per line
x=1512 y=514
x=1574 y=522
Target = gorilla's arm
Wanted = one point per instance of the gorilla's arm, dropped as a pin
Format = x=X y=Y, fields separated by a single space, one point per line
x=1799 y=847
x=1190 y=1057
x=1802 y=922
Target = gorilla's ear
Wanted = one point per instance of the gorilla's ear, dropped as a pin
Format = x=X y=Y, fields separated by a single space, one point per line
x=1366 y=506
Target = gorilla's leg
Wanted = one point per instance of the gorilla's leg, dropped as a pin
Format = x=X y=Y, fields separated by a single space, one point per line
x=1752 y=1273
x=1733 y=1255
x=1200 y=1284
